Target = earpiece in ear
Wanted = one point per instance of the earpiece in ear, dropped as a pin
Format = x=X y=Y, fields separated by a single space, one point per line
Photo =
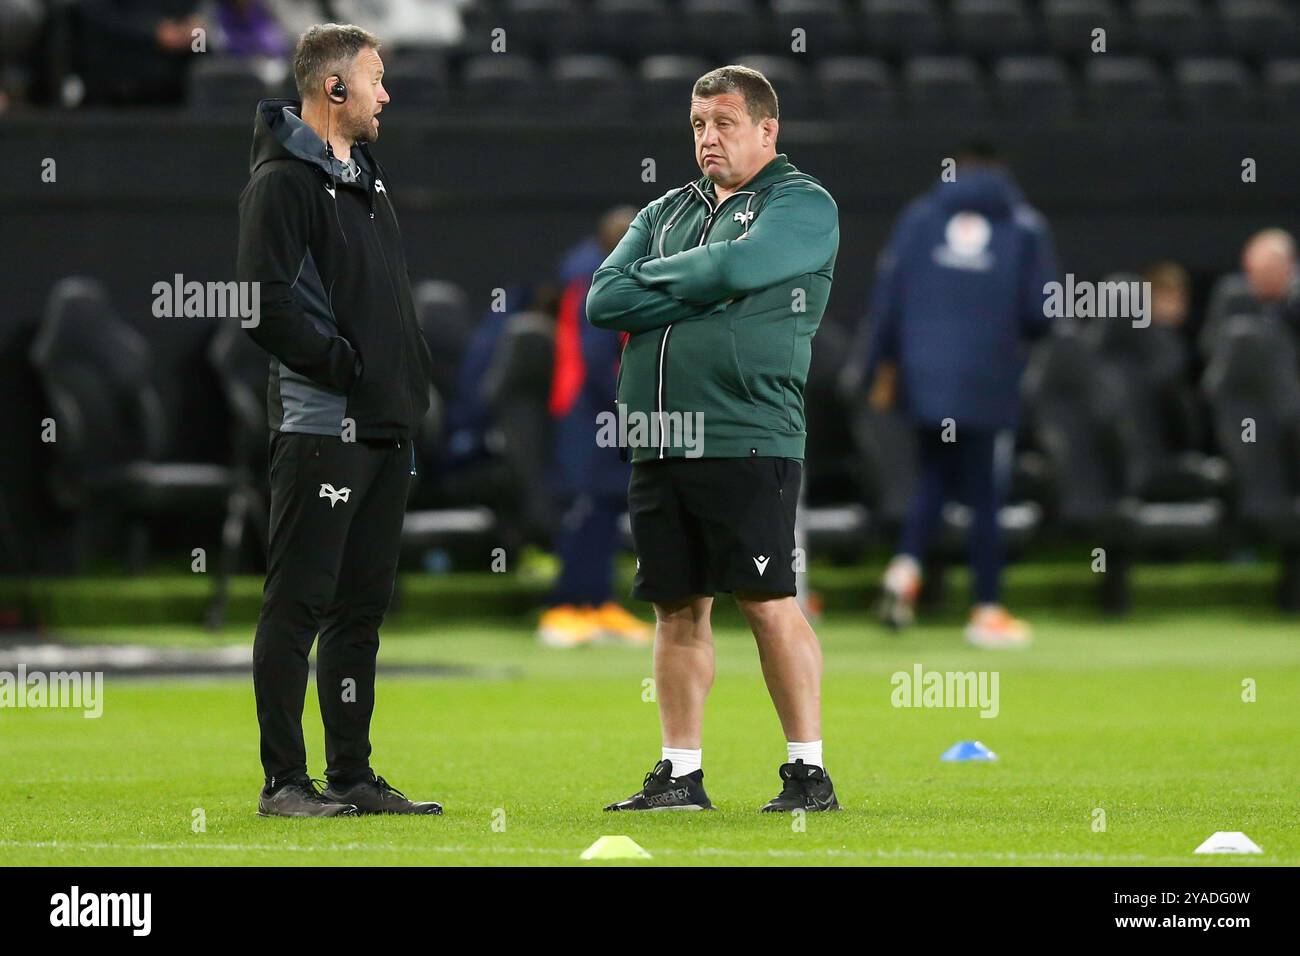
x=339 y=92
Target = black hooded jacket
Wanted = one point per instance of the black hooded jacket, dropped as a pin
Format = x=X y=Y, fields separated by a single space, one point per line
x=336 y=311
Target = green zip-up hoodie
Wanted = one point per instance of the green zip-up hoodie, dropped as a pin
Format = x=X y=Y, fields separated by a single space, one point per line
x=722 y=302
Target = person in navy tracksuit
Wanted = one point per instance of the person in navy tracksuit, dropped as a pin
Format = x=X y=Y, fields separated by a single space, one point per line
x=589 y=482
x=959 y=291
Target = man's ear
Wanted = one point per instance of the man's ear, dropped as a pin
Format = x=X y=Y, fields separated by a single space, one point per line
x=770 y=128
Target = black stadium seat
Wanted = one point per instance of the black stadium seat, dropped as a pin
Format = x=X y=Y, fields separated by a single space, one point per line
x=1124 y=87
x=635 y=29
x=1214 y=88
x=1252 y=381
x=828 y=26
x=418 y=83
x=226 y=85
x=95 y=371
x=666 y=82
x=1079 y=415
x=795 y=89
x=545 y=27
x=856 y=88
x=944 y=88
x=895 y=27
x=714 y=28
x=1069 y=25
x=992 y=27
x=1282 y=88
x=589 y=85
x=1034 y=88
x=1171 y=27
x=506 y=82
x=1258 y=27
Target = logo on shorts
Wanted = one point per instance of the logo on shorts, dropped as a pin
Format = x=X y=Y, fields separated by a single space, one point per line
x=327 y=491
x=760 y=562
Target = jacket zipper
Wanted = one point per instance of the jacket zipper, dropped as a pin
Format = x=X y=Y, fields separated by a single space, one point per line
x=663 y=341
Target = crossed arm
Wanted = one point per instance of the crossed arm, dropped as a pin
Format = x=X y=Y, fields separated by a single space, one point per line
x=635 y=291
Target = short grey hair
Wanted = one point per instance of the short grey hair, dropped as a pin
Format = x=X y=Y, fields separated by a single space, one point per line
x=327 y=49
x=753 y=86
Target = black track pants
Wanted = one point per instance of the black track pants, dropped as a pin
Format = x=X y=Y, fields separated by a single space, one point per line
x=336 y=524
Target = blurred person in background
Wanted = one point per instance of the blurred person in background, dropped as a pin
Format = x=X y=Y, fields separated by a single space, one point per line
x=402 y=23
x=20 y=30
x=590 y=482
x=137 y=51
x=959 y=289
x=1267 y=287
x=249 y=28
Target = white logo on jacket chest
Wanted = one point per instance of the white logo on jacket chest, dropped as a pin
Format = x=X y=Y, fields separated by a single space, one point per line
x=760 y=562
x=379 y=187
x=743 y=217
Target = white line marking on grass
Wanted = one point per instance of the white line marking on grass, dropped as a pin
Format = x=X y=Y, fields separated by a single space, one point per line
x=869 y=853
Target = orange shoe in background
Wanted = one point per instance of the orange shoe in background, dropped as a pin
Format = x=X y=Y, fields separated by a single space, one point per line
x=621 y=626
x=568 y=626
x=991 y=626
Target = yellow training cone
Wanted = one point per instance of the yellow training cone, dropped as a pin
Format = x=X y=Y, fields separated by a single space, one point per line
x=615 y=848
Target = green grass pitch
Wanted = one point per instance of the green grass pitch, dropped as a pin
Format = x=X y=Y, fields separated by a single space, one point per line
x=1142 y=719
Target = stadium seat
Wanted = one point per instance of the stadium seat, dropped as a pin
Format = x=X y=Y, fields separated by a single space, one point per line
x=1079 y=416
x=544 y=28
x=589 y=85
x=1124 y=87
x=95 y=371
x=1258 y=27
x=666 y=82
x=226 y=85
x=502 y=82
x=992 y=27
x=856 y=88
x=795 y=90
x=242 y=368
x=944 y=88
x=901 y=27
x=1252 y=382
x=1214 y=89
x=1034 y=88
x=1069 y=25
x=714 y=28
x=1154 y=365
x=634 y=29
x=829 y=27
x=1282 y=88
x=418 y=83
x=1171 y=27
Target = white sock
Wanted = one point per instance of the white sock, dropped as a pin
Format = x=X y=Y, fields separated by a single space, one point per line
x=683 y=761
x=809 y=751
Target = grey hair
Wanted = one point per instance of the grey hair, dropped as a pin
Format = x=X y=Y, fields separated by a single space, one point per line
x=760 y=98
x=327 y=49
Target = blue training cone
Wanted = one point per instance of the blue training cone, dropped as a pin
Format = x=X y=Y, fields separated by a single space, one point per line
x=968 y=750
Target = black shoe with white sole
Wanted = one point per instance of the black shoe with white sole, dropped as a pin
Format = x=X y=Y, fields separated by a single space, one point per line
x=300 y=798
x=804 y=787
x=377 y=795
x=663 y=791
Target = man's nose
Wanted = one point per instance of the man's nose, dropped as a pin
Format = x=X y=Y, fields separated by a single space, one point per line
x=383 y=95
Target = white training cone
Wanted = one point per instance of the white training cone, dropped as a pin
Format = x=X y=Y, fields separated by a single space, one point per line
x=614 y=848
x=1229 y=841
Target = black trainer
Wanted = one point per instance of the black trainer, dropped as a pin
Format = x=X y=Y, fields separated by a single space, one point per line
x=663 y=791
x=377 y=795
x=300 y=798
x=804 y=787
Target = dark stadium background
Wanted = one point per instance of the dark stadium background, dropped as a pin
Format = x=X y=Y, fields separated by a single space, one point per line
x=1134 y=156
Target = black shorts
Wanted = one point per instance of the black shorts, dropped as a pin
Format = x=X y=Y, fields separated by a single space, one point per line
x=701 y=525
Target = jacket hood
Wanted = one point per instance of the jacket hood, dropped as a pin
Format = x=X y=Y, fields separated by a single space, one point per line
x=778 y=167
x=988 y=191
x=280 y=133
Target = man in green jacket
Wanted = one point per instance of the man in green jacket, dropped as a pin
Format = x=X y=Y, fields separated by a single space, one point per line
x=721 y=285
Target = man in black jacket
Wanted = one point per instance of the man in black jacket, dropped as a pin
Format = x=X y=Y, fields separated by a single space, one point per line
x=349 y=385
